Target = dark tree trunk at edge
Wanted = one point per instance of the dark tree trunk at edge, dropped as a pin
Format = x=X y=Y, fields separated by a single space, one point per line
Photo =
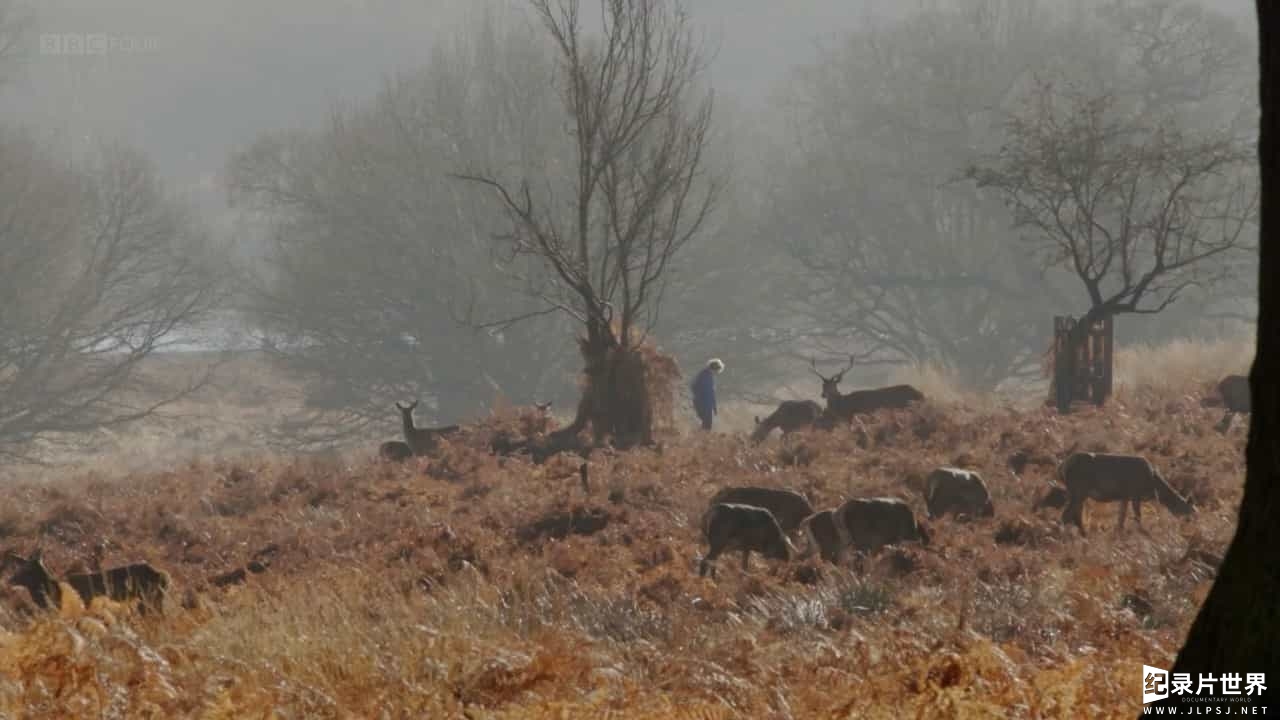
x=1238 y=628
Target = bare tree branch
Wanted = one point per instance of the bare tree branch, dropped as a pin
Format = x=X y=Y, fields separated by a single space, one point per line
x=639 y=185
x=1139 y=210
x=383 y=276
x=99 y=271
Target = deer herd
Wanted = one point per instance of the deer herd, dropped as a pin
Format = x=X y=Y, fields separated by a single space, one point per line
x=764 y=520
x=758 y=519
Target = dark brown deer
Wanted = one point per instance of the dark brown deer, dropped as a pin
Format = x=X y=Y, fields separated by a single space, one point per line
x=843 y=407
x=565 y=439
x=1126 y=479
x=953 y=490
x=787 y=506
x=422 y=441
x=869 y=524
x=1234 y=390
x=1054 y=497
x=728 y=526
x=823 y=535
x=138 y=581
x=790 y=416
x=395 y=451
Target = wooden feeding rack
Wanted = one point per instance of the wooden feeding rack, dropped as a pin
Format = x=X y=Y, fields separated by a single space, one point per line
x=1089 y=378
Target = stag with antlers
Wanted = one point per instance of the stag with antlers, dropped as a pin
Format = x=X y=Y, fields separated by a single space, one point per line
x=842 y=407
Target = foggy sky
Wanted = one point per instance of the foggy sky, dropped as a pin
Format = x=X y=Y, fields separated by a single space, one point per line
x=189 y=81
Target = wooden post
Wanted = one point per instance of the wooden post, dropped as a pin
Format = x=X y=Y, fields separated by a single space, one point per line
x=1108 y=361
x=1063 y=379
x=1085 y=374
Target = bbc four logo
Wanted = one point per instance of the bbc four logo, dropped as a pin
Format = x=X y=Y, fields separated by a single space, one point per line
x=85 y=44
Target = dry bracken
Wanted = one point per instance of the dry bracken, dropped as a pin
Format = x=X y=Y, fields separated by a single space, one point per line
x=402 y=594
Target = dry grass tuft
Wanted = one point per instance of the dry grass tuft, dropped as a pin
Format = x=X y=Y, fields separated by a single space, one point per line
x=1182 y=364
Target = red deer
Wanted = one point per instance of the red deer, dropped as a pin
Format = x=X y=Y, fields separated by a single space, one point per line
x=395 y=451
x=860 y=402
x=1054 y=497
x=728 y=526
x=539 y=421
x=790 y=416
x=1234 y=390
x=823 y=535
x=422 y=441
x=137 y=581
x=869 y=524
x=555 y=442
x=957 y=491
x=505 y=443
x=787 y=506
x=1127 y=479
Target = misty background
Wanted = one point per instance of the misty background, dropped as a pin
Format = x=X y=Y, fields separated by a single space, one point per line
x=365 y=274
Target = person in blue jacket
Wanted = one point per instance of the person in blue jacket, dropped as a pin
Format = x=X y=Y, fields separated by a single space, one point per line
x=704 y=392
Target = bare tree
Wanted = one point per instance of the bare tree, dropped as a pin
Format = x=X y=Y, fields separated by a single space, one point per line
x=892 y=260
x=99 y=270
x=637 y=192
x=897 y=259
x=1136 y=208
x=380 y=281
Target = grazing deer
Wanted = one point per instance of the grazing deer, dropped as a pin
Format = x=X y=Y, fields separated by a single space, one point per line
x=790 y=416
x=1127 y=479
x=1234 y=390
x=728 y=526
x=958 y=491
x=860 y=402
x=395 y=451
x=823 y=535
x=787 y=506
x=137 y=581
x=422 y=441
x=869 y=524
x=1054 y=497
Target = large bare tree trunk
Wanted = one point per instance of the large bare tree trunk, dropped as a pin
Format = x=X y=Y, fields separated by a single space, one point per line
x=1238 y=628
x=615 y=400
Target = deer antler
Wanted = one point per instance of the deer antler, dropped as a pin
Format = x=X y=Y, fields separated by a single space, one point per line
x=847 y=369
x=813 y=365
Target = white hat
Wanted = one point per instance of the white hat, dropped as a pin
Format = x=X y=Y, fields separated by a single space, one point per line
x=715 y=364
